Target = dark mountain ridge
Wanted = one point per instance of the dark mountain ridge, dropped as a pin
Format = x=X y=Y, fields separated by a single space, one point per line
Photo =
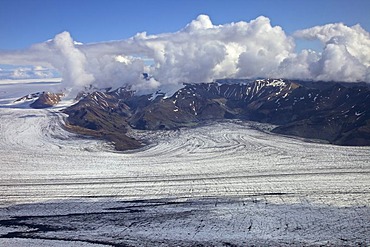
x=336 y=113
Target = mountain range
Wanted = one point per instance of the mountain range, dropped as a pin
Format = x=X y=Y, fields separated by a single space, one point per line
x=334 y=112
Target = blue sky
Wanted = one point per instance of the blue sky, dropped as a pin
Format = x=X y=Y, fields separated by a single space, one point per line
x=25 y=22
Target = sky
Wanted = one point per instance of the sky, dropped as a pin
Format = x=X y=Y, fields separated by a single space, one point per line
x=122 y=37
x=25 y=22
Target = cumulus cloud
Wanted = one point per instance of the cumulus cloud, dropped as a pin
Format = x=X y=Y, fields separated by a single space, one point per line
x=27 y=72
x=60 y=54
x=202 y=51
x=71 y=62
x=346 y=54
x=355 y=39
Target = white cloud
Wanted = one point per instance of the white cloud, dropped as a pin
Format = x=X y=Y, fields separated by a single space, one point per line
x=266 y=47
x=71 y=62
x=27 y=72
x=355 y=39
x=202 y=22
x=200 y=52
x=346 y=55
x=298 y=66
x=21 y=73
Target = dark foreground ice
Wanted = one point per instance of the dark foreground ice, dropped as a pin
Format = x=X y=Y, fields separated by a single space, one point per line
x=187 y=222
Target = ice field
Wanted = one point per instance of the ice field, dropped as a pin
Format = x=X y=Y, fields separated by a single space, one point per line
x=221 y=184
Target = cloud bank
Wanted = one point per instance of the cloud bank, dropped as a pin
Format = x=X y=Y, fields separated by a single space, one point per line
x=202 y=51
x=27 y=72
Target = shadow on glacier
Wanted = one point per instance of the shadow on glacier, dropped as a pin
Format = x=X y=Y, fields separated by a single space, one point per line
x=187 y=222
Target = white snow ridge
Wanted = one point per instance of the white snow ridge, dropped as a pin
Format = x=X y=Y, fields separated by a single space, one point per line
x=223 y=184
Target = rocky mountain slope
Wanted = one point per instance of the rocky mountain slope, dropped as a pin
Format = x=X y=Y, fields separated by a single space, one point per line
x=337 y=113
x=41 y=100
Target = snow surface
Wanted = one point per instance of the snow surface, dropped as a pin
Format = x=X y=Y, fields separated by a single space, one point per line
x=219 y=184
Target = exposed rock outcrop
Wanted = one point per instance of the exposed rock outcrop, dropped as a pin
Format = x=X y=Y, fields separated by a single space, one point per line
x=41 y=99
x=46 y=100
x=337 y=113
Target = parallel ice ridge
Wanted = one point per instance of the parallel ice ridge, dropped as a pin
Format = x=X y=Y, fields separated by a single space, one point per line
x=41 y=161
x=221 y=184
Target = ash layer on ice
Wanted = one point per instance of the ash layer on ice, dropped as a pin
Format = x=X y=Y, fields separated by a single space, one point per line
x=338 y=113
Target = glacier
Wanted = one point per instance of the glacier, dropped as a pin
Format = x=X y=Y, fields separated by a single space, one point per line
x=223 y=183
